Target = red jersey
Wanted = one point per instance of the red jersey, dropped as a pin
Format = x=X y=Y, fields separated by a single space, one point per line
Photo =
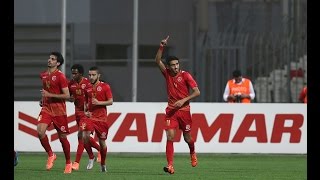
x=178 y=87
x=102 y=92
x=77 y=90
x=54 y=83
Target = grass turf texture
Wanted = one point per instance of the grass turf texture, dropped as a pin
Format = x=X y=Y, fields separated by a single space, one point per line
x=150 y=167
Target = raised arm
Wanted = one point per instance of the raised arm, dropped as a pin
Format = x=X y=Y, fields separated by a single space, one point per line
x=163 y=43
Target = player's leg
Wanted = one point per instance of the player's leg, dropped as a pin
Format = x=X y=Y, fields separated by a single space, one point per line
x=102 y=133
x=87 y=127
x=170 y=150
x=87 y=146
x=95 y=145
x=66 y=150
x=44 y=120
x=103 y=151
x=61 y=125
x=188 y=139
x=80 y=148
x=171 y=125
x=185 y=124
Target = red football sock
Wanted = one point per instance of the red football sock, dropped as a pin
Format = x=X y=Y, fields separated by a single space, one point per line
x=45 y=144
x=87 y=146
x=103 y=153
x=94 y=144
x=79 y=150
x=169 y=152
x=191 y=146
x=66 y=149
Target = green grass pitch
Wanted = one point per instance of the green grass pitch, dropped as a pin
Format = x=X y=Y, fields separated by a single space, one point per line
x=150 y=167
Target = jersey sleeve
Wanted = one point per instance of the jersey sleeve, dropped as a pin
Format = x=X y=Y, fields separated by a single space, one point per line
x=190 y=81
x=63 y=81
x=108 y=91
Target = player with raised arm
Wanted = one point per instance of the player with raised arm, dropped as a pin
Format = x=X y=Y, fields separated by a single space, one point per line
x=178 y=114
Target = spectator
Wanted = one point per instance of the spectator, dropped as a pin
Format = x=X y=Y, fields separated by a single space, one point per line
x=238 y=89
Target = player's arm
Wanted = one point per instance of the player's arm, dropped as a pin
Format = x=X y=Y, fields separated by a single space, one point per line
x=102 y=103
x=85 y=107
x=65 y=94
x=163 y=43
x=108 y=95
x=195 y=93
x=71 y=99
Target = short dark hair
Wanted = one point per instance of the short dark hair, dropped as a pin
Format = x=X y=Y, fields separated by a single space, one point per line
x=236 y=73
x=171 y=58
x=59 y=56
x=94 y=68
x=79 y=67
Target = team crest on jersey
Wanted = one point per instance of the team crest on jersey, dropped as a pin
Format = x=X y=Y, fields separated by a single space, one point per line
x=83 y=86
x=54 y=78
x=99 y=88
x=179 y=79
x=63 y=129
x=83 y=126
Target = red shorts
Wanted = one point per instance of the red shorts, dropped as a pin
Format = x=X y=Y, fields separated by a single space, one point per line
x=79 y=115
x=178 y=119
x=60 y=123
x=100 y=127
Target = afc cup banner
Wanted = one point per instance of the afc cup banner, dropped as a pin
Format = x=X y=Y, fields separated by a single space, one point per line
x=216 y=128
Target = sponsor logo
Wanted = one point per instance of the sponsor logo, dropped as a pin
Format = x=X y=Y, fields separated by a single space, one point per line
x=221 y=127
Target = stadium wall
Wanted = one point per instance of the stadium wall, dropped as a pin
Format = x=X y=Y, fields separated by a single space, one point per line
x=217 y=128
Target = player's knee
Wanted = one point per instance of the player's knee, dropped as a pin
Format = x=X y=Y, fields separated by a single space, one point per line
x=41 y=134
x=62 y=136
x=187 y=138
x=170 y=138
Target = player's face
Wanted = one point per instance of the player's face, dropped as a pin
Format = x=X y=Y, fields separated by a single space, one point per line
x=93 y=76
x=174 y=66
x=76 y=75
x=52 y=61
